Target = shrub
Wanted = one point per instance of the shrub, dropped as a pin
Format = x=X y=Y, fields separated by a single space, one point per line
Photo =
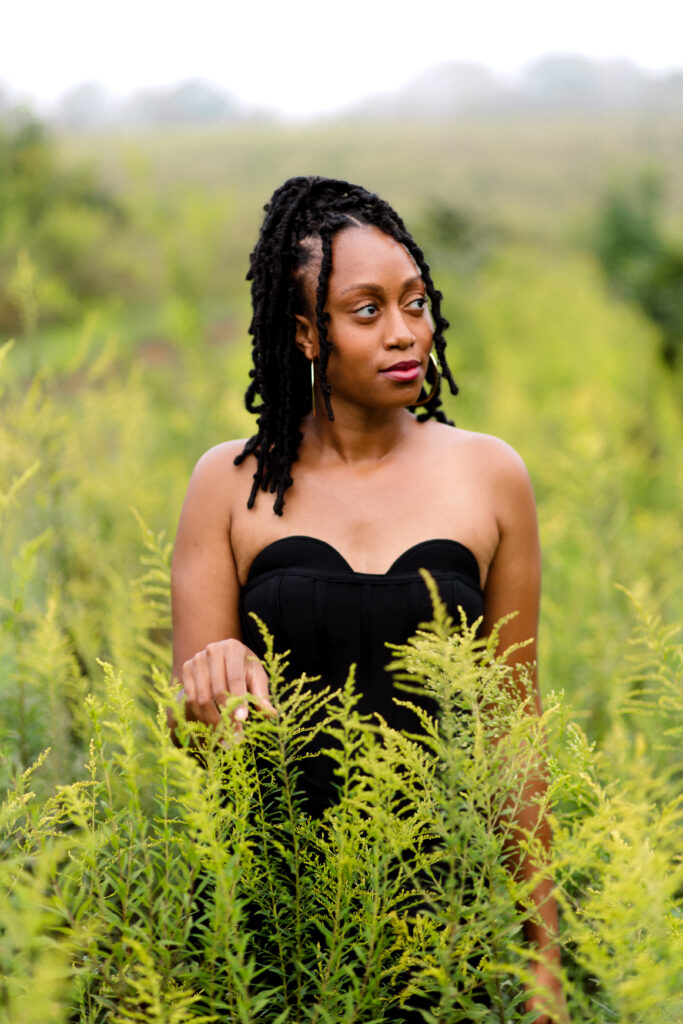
x=168 y=887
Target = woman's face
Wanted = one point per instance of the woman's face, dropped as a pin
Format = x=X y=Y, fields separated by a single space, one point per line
x=380 y=325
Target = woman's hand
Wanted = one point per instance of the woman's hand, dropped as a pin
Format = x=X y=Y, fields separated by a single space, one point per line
x=223 y=670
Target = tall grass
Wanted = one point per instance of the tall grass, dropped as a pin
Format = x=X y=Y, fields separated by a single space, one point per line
x=163 y=887
x=138 y=884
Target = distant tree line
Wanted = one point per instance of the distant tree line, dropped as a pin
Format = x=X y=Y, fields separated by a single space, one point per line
x=555 y=83
x=88 y=105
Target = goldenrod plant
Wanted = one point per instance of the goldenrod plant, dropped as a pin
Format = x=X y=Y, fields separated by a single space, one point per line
x=190 y=884
x=140 y=881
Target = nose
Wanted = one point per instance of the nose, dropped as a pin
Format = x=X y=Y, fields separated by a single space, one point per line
x=399 y=330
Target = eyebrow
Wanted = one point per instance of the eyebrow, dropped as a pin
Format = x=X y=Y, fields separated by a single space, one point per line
x=377 y=289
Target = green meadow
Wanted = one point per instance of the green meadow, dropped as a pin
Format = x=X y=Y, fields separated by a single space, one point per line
x=124 y=315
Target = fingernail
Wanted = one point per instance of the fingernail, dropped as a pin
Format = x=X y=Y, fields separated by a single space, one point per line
x=241 y=713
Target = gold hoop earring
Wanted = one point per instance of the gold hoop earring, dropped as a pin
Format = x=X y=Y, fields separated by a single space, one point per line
x=313 y=388
x=431 y=394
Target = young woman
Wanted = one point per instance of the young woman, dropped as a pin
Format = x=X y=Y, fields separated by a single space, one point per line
x=353 y=481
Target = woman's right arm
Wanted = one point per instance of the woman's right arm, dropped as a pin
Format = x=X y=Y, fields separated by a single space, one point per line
x=209 y=659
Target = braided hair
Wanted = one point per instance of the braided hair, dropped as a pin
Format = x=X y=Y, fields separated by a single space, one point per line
x=303 y=215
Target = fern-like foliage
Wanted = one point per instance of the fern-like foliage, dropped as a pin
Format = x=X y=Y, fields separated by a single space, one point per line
x=191 y=884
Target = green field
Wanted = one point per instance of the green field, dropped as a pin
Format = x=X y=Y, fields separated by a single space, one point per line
x=130 y=358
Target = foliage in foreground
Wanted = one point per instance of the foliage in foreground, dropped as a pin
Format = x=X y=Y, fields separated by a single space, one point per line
x=171 y=888
x=98 y=867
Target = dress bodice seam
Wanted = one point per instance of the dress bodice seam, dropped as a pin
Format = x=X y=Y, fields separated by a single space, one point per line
x=356 y=578
x=345 y=570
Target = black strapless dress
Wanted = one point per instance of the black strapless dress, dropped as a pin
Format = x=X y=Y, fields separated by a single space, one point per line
x=330 y=617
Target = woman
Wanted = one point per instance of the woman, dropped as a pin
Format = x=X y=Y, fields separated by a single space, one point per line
x=348 y=343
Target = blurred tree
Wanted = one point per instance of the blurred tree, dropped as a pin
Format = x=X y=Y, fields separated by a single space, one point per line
x=190 y=102
x=456 y=237
x=570 y=81
x=4 y=101
x=54 y=221
x=641 y=264
x=86 y=105
x=667 y=92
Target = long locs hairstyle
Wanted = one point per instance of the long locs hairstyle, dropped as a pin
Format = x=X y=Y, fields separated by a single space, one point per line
x=302 y=218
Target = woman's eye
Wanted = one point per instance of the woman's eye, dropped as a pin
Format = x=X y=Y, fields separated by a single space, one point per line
x=366 y=311
x=419 y=304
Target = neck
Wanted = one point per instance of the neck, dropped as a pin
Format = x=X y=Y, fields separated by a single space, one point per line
x=357 y=436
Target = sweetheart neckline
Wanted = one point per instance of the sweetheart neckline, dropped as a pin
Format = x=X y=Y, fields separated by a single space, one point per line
x=349 y=568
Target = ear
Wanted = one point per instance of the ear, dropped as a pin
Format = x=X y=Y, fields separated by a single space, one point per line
x=306 y=336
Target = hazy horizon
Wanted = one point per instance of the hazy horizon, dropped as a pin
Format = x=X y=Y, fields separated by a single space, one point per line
x=298 y=60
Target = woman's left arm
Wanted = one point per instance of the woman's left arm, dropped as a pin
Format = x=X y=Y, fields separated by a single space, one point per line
x=513 y=585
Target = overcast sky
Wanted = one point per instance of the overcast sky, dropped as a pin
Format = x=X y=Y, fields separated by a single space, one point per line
x=311 y=56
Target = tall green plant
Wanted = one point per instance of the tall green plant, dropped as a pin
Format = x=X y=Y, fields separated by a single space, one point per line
x=167 y=886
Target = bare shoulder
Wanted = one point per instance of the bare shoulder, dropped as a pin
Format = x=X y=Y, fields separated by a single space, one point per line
x=216 y=481
x=216 y=487
x=218 y=462
x=486 y=455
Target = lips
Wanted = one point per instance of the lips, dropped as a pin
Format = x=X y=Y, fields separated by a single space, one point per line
x=409 y=364
x=407 y=370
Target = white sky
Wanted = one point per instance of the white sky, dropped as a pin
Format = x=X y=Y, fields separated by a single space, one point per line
x=310 y=56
